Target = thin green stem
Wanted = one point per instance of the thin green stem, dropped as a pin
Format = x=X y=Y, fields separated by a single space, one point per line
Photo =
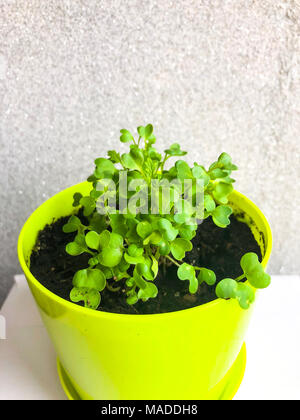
x=240 y=277
x=111 y=288
x=163 y=163
x=178 y=265
x=90 y=252
x=173 y=261
x=198 y=268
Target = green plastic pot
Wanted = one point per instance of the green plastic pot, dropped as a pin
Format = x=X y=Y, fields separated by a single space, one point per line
x=195 y=353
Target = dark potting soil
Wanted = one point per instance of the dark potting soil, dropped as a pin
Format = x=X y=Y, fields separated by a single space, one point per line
x=215 y=248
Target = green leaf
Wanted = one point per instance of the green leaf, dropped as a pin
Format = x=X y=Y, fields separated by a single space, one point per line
x=137 y=155
x=184 y=211
x=90 y=297
x=230 y=289
x=153 y=154
x=209 y=203
x=144 y=229
x=139 y=281
x=110 y=257
x=135 y=251
x=114 y=156
x=128 y=162
x=80 y=240
x=188 y=231
x=148 y=131
x=131 y=300
x=228 y=180
x=73 y=224
x=90 y=278
x=226 y=289
x=98 y=222
x=222 y=191
x=106 y=271
x=144 y=269
x=141 y=131
x=93 y=261
x=179 y=247
x=183 y=170
x=104 y=168
x=254 y=271
x=174 y=150
x=150 y=291
x=76 y=199
x=250 y=262
x=74 y=249
x=164 y=247
x=126 y=136
x=225 y=161
x=92 y=240
x=154 y=238
x=133 y=260
x=221 y=216
x=116 y=240
x=130 y=283
x=154 y=266
x=200 y=173
x=134 y=159
x=92 y=179
x=217 y=173
x=245 y=295
x=151 y=140
x=187 y=272
x=89 y=205
x=119 y=274
x=207 y=276
x=111 y=245
x=104 y=239
x=94 y=194
x=118 y=224
x=166 y=226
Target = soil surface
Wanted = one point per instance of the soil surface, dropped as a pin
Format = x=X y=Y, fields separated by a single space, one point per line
x=215 y=248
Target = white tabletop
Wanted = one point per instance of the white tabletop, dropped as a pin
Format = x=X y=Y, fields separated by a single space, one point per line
x=28 y=362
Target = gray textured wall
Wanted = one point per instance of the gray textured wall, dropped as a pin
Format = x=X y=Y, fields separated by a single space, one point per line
x=216 y=75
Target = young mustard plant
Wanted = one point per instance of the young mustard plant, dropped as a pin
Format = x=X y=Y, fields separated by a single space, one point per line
x=128 y=244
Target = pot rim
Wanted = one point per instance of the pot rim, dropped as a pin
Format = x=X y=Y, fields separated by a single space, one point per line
x=116 y=316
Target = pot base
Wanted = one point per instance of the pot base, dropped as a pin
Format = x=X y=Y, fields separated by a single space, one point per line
x=224 y=390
